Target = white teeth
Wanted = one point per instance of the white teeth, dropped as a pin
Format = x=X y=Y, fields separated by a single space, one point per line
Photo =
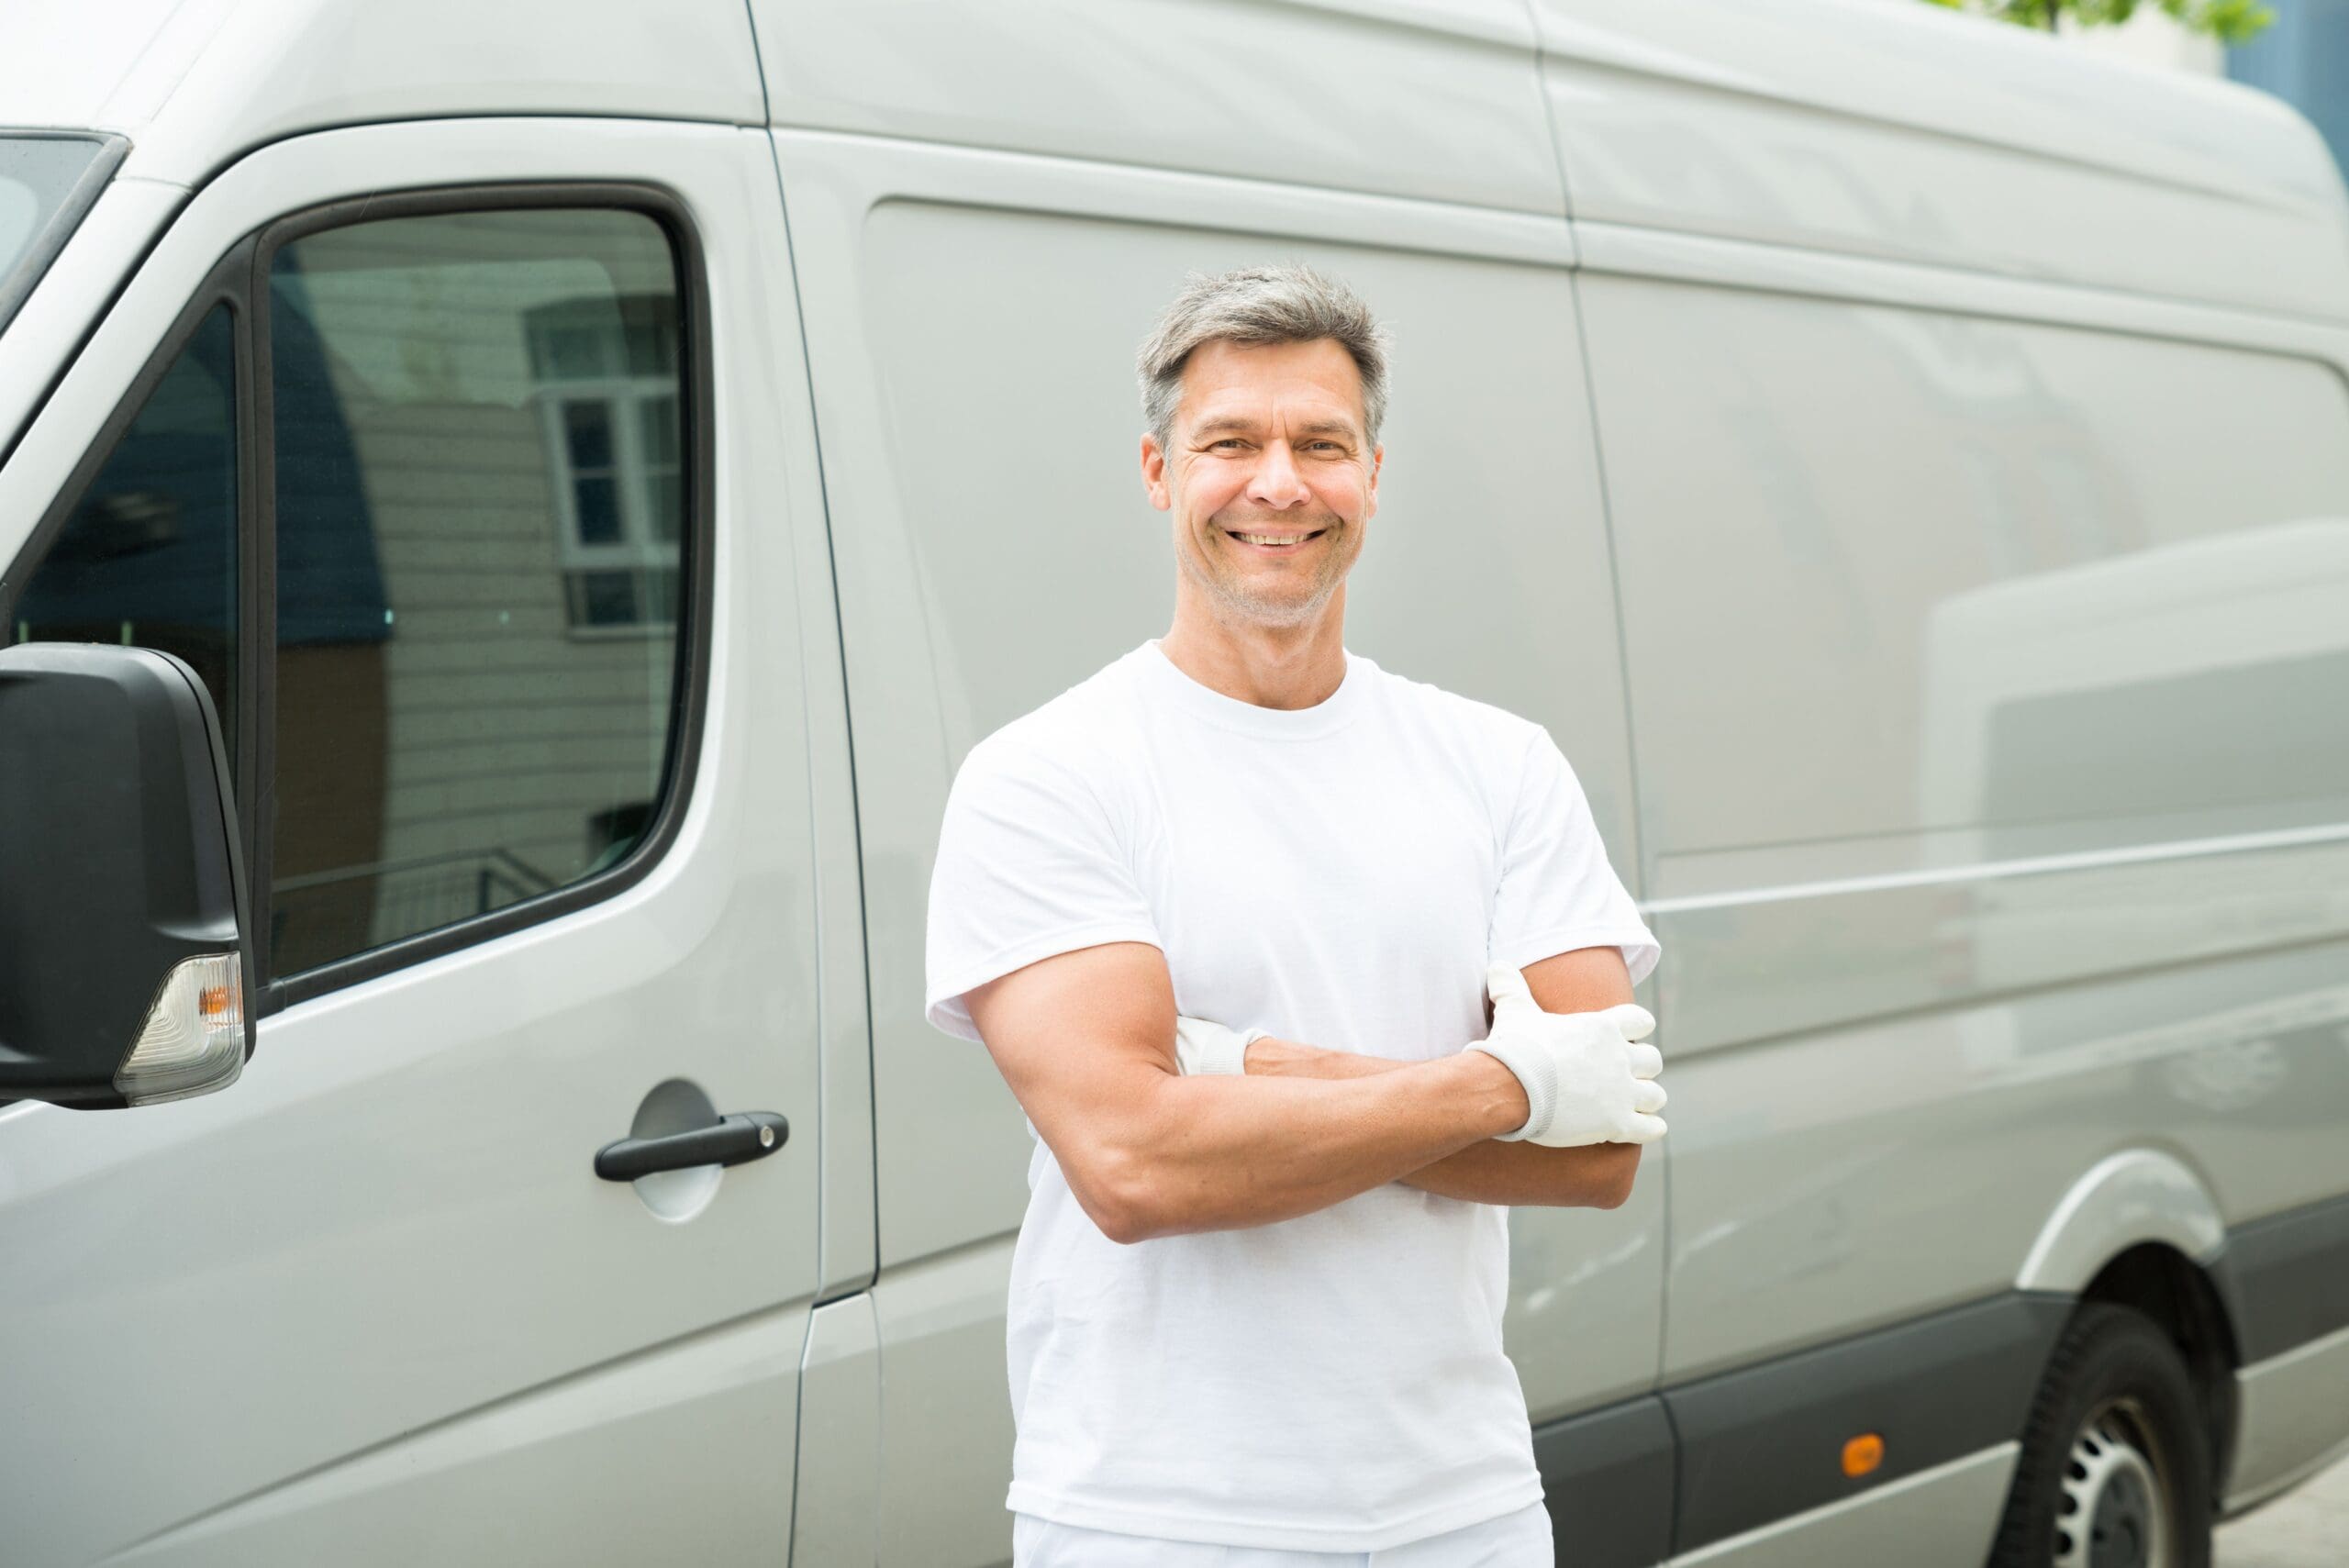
x=1273 y=539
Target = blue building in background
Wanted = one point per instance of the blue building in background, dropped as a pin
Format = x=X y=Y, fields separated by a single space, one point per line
x=2303 y=58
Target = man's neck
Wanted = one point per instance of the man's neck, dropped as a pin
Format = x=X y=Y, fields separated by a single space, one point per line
x=1278 y=667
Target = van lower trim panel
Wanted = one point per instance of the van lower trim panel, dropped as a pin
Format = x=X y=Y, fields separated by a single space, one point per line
x=1608 y=1479
x=1701 y=1462
x=1764 y=1441
x=2286 y=1278
x=1761 y=1443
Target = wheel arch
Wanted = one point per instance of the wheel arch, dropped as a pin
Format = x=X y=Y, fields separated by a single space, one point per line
x=2128 y=1199
x=2169 y=1287
x=2141 y=1229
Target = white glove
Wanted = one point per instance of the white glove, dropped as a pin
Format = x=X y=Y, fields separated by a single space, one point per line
x=1586 y=1076
x=1203 y=1047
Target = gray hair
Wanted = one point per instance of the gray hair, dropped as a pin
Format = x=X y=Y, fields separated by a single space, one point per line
x=1291 y=304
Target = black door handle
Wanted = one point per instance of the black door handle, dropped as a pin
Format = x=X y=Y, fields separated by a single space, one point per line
x=750 y=1135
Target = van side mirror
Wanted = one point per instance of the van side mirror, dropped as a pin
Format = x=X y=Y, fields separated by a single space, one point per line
x=124 y=965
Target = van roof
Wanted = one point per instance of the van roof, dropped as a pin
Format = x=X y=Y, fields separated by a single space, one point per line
x=1896 y=129
x=194 y=84
x=1877 y=126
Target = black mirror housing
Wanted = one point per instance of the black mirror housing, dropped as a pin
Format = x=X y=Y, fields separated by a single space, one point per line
x=122 y=897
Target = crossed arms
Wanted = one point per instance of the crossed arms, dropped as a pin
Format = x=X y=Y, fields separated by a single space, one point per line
x=1086 y=1042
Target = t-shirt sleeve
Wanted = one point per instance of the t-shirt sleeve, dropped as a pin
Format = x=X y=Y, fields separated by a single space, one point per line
x=1030 y=864
x=1557 y=890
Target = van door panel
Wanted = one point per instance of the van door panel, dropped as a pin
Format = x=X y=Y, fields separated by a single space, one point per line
x=980 y=425
x=370 y=1303
x=1969 y=602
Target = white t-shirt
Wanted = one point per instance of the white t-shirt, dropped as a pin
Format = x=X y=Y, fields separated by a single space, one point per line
x=1340 y=874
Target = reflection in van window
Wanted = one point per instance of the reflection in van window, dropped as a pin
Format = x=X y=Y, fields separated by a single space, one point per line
x=479 y=510
x=2067 y=755
x=2204 y=673
x=1980 y=575
x=148 y=555
x=43 y=194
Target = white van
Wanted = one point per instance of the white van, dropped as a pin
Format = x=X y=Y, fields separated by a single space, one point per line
x=510 y=516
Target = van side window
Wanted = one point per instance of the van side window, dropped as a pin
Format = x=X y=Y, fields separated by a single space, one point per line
x=148 y=555
x=479 y=506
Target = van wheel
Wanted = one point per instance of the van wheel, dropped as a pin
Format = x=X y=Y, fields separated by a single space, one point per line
x=2115 y=1469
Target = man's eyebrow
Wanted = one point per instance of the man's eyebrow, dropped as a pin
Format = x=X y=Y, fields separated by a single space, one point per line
x=1223 y=422
x=1239 y=422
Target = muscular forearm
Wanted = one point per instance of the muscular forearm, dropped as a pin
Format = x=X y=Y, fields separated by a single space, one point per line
x=1220 y=1153
x=1517 y=1174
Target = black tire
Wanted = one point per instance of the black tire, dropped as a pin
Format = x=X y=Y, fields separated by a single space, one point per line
x=2147 y=1470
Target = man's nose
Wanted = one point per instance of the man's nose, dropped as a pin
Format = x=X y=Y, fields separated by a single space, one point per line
x=1277 y=482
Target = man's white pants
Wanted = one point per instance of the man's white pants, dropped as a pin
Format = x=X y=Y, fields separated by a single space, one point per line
x=1520 y=1539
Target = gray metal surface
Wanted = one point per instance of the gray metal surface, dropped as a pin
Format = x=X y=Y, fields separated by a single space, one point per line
x=1913 y=997
x=2291 y=1422
x=1436 y=99
x=1759 y=1444
x=1942 y=1517
x=1892 y=131
x=371 y=1303
x=2307 y=1528
x=1948 y=571
x=1861 y=512
x=962 y=606
x=178 y=79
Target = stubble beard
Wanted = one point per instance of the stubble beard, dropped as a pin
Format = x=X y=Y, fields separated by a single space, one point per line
x=1232 y=597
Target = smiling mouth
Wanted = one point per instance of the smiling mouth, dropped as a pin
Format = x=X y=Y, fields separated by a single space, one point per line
x=1275 y=541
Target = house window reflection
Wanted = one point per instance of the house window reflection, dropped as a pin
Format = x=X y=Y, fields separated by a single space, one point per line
x=607 y=408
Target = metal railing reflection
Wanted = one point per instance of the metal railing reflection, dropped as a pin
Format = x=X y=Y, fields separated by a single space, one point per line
x=418 y=894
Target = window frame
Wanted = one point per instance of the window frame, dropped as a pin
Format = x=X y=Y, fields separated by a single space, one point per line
x=240 y=280
x=225 y=284
x=689 y=685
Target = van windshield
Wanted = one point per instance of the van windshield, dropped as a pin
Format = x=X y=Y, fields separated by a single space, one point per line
x=46 y=183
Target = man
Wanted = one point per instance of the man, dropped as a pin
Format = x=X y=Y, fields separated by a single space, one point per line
x=1255 y=1305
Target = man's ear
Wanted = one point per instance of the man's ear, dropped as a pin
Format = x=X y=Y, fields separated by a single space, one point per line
x=1153 y=472
x=1370 y=494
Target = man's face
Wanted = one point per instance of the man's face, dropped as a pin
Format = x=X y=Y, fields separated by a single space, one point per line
x=1267 y=444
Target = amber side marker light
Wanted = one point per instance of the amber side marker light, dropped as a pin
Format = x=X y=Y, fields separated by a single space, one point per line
x=1863 y=1454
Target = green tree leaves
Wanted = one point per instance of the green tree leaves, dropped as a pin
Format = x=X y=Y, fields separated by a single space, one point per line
x=2228 y=21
